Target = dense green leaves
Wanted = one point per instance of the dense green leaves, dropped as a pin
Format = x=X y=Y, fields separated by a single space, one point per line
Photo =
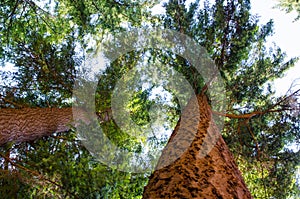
x=60 y=167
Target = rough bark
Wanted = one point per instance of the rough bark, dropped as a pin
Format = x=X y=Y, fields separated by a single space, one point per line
x=185 y=170
x=28 y=124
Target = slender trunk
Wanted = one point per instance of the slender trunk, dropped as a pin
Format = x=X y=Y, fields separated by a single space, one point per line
x=193 y=174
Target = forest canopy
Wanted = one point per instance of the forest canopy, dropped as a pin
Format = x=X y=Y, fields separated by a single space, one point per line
x=45 y=44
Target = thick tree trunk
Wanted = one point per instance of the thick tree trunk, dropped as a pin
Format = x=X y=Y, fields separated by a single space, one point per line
x=192 y=173
x=28 y=124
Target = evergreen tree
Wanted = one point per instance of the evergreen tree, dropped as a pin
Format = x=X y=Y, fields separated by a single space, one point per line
x=46 y=159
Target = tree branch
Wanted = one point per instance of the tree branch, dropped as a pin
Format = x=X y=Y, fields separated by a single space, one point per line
x=34 y=173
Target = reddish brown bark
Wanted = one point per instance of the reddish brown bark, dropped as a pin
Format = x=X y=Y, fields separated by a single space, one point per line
x=27 y=124
x=194 y=174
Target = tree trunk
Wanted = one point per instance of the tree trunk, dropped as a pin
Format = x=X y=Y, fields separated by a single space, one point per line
x=28 y=124
x=183 y=171
x=191 y=173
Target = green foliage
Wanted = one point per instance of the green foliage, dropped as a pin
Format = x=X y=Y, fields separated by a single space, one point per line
x=60 y=167
x=289 y=6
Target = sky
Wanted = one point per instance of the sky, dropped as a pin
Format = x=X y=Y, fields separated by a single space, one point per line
x=286 y=36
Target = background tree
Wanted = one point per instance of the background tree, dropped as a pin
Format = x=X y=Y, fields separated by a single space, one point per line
x=44 y=42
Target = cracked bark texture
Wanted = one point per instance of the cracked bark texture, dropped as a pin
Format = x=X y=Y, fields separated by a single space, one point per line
x=28 y=124
x=189 y=169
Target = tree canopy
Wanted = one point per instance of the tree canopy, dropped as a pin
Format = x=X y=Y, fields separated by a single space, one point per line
x=47 y=42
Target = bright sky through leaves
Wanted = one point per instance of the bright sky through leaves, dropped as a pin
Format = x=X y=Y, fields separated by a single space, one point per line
x=286 y=36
